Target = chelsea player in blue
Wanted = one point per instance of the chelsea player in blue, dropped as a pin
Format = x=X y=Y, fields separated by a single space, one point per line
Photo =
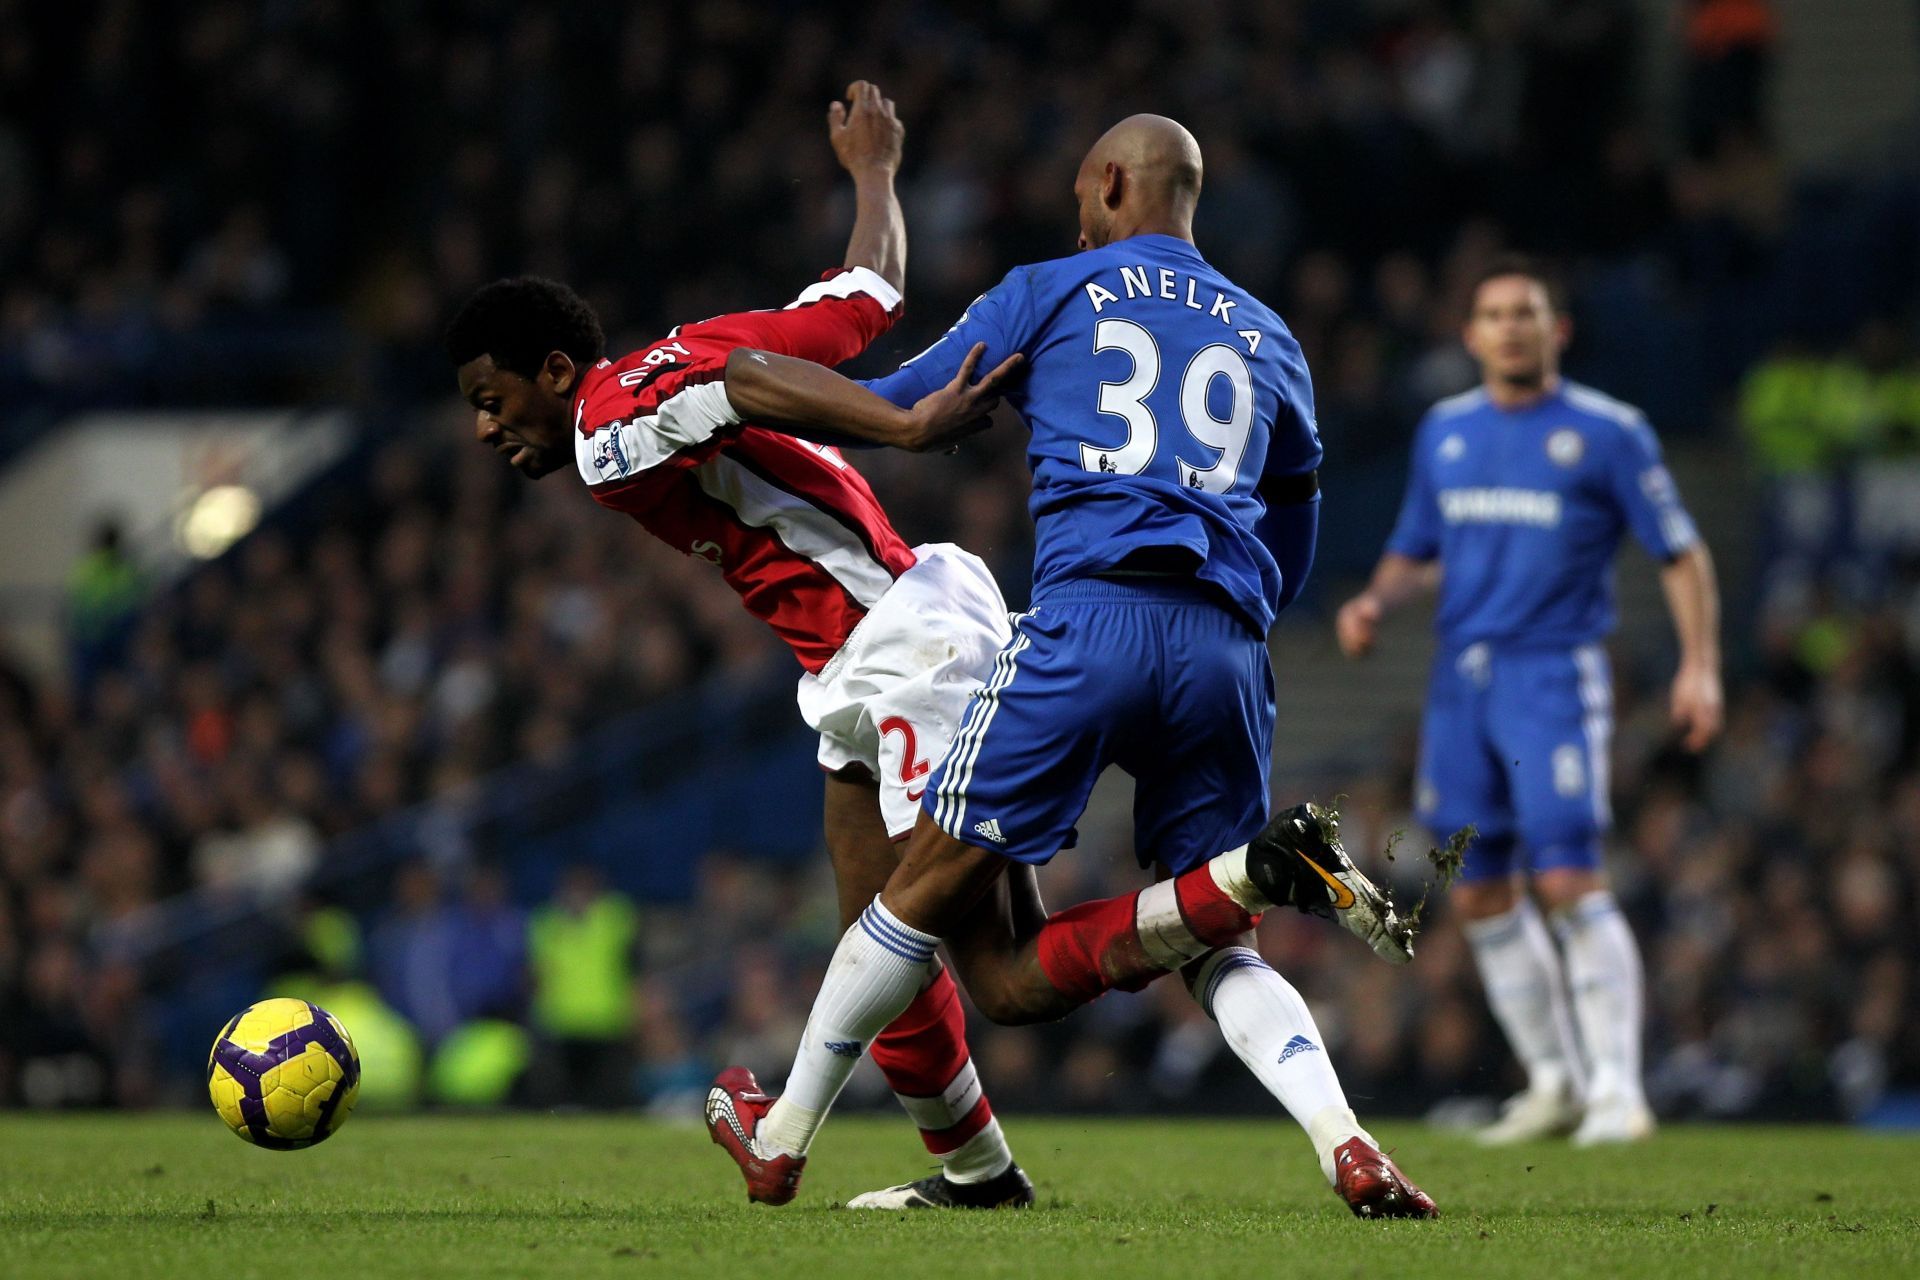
x=1520 y=492
x=1175 y=493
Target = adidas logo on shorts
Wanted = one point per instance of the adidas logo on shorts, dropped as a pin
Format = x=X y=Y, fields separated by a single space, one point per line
x=991 y=830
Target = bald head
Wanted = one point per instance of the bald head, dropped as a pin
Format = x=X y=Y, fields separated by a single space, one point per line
x=1142 y=177
x=1159 y=152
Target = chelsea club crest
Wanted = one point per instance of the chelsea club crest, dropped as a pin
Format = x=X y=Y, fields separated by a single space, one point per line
x=1566 y=446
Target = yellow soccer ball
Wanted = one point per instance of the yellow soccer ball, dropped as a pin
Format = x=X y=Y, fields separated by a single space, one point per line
x=283 y=1074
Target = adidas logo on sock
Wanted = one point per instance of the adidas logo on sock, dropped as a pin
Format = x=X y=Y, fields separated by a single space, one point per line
x=1299 y=1044
x=991 y=830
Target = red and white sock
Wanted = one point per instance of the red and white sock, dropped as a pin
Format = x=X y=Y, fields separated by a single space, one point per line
x=923 y=1054
x=1127 y=942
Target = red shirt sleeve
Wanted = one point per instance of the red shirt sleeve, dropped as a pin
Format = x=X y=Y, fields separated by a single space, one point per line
x=829 y=323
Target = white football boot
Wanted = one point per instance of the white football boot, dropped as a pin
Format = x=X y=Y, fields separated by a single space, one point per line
x=1531 y=1116
x=1614 y=1120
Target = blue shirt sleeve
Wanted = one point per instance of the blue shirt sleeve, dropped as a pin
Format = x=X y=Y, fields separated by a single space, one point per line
x=1291 y=532
x=1416 y=534
x=1294 y=448
x=1290 y=529
x=1000 y=317
x=1647 y=497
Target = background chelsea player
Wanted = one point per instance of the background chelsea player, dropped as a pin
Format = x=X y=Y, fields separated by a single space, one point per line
x=1519 y=494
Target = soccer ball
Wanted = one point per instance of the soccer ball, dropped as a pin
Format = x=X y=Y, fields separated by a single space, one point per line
x=283 y=1074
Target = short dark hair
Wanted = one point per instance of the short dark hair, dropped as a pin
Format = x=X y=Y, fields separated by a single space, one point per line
x=520 y=321
x=1536 y=269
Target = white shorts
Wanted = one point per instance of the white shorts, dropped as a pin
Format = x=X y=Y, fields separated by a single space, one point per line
x=894 y=695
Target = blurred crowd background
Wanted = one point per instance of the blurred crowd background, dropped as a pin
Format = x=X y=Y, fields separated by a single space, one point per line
x=462 y=758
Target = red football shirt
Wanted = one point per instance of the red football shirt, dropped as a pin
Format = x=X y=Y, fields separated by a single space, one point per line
x=793 y=528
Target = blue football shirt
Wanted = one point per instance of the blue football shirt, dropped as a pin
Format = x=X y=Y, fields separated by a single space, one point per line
x=1159 y=394
x=1525 y=510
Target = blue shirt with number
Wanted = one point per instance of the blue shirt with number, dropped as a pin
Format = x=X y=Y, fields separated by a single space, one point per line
x=1159 y=394
x=1524 y=508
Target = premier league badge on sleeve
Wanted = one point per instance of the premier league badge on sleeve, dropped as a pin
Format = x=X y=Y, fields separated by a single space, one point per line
x=609 y=456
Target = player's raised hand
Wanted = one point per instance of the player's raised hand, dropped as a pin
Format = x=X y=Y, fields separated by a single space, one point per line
x=1358 y=625
x=960 y=408
x=865 y=132
x=1697 y=706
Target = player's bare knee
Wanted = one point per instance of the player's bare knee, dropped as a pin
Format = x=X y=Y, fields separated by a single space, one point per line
x=1561 y=887
x=939 y=880
x=1480 y=899
x=857 y=843
x=1005 y=1011
x=1010 y=1000
x=854 y=889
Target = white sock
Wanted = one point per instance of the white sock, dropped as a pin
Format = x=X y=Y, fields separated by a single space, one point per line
x=877 y=970
x=1603 y=969
x=1269 y=1027
x=1521 y=973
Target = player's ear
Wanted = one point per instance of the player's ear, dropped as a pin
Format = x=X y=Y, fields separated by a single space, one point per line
x=559 y=372
x=1113 y=186
x=1562 y=331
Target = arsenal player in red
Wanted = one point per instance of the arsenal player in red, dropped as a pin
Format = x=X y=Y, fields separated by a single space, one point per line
x=799 y=535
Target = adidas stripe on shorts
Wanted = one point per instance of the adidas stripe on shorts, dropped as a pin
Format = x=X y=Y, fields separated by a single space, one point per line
x=1156 y=675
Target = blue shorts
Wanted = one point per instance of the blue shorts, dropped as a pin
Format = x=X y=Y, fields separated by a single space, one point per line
x=1515 y=742
x=1155 y=675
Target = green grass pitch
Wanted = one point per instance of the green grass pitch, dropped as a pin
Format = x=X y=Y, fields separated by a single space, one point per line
x=583 y=1196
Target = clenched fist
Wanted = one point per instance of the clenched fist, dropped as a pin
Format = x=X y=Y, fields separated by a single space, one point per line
x=1357 y=625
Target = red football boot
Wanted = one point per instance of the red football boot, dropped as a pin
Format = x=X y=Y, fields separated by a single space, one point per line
x=735 y=1105
x=1373 y=1185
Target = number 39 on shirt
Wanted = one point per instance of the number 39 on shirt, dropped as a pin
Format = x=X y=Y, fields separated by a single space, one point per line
x=1215 y=464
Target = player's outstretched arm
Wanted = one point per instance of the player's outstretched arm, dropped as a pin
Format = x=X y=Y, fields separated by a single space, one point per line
x=1409 y=565
x=1396 y=579
x=1693 y=597
x=866 y=137
x=779 y=391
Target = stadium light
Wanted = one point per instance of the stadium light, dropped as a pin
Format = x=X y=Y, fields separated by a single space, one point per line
x=218 y=518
